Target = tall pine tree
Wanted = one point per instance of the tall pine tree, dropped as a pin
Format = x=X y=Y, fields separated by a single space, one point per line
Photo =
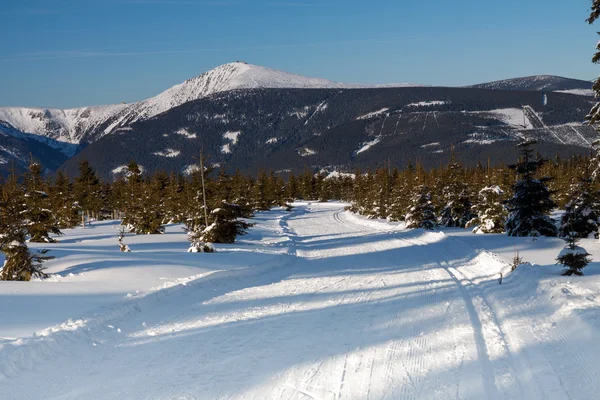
x=531 y=203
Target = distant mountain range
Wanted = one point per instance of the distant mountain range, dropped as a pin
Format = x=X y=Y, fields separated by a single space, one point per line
x=249 y=117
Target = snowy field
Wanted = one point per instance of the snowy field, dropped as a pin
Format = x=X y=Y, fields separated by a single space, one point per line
x=312 y=304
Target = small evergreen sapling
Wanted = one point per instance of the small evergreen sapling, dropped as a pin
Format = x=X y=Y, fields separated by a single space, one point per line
x=421 y=213
x=122 y=246
x=573 y=257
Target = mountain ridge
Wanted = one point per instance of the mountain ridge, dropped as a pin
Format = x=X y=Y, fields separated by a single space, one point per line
x=63 y=133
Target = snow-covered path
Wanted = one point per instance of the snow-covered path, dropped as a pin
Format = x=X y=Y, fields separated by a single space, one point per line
x=341 y=308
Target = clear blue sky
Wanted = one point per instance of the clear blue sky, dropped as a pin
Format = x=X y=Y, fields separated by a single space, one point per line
x=67 y=53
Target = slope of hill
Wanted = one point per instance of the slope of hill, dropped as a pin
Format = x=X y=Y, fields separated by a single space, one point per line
x=540 y=82
x=293 y=129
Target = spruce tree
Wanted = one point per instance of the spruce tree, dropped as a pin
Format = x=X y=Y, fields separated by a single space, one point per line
x=144 y=210
x=87 y=191
x=37 y=211
x=226 y=224
x=490 y=210
x=457 y=209
x=20 y=264
x=531 y=203
x=421 y=213
x=573 y=257
x=581 y=217
x=64 y=206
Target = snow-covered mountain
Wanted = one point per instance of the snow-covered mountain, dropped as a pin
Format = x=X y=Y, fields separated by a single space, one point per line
x=541 y=82
x=68 y=128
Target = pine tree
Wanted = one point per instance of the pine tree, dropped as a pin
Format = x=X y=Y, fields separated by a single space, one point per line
x=37 y=212
x=573 y=257
x=87 y=191
x=226 y=224
x=20 y=264
x=144 y=210
x=490 y=210
x=581 y=217
x=421 y=213
x=457 y=208
x=63 y=204
x=531 y=203
x=594 y=115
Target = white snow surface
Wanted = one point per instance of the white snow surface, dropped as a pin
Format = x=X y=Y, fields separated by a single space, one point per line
x=579 y=92
x=373 y=114
x=317 y=303
x=169 y=153
x=232 y=136
x=428 y=103
x=367 y=145
x=72 y=126
x=512 y=117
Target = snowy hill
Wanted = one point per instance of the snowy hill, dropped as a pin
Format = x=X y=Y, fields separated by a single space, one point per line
x=88 y=124
x=541 y=82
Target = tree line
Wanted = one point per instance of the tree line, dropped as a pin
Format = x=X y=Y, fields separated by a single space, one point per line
x=214 y=206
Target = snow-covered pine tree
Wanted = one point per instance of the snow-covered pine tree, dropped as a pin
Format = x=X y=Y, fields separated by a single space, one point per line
x=421 y=213
x=531 y=203
x=594 y=115
x=490 y=210
x=226 y=224
x=573 y=257
x=37 y=211
x=20 y=264
x=457 y=209
x=581 y=217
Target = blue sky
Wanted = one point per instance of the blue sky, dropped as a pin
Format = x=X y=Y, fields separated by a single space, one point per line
x=67 y=53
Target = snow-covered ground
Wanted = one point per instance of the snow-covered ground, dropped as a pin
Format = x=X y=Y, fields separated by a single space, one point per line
x=317 y=303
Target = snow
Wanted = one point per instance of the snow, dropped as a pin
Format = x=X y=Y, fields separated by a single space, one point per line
x=367 y=145
x=512 y=117
x=124 y=169
x=333 y=174
x=184 y=132
x=579 y=92
x=226 y=148
x=305 y=152
x=232 y=136
x=434 y=144
x=482 y=139
x=170 y=153
x=373 y=114
x=317 y=303
x=577 y=250
x=428 y=103
x=190 y=169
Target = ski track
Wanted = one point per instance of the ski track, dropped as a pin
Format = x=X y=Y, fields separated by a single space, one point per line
x=351 y=310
